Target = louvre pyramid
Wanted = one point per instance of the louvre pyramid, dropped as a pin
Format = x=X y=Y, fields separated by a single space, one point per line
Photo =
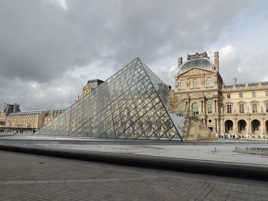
x=130 y=104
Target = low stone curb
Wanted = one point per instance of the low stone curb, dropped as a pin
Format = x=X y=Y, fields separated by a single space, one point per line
x=154 y=162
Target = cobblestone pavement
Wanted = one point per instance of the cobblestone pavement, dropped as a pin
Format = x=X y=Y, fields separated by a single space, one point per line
x=38 y=178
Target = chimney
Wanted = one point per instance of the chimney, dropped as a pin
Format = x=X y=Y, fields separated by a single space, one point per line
x=180 y=61
x=216 y=61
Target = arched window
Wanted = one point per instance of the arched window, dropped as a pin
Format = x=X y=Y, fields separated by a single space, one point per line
x=228 y=126
x=255 y=125
x=242 y=125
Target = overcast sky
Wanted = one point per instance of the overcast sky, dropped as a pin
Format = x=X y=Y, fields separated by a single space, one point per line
x=50 y=48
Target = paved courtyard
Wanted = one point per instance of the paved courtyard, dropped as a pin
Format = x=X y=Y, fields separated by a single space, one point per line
x=221 y=151
x=26 y=177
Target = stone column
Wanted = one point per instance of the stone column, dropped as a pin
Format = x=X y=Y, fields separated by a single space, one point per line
x=216 y=126
x=248 y=128
x=205 y=111
x=235 y=127
x=219 y=127
x=215 y=102
x=223 y=127
x=263 y=127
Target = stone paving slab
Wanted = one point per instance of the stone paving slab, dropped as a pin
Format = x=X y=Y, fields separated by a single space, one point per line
x=26 y=177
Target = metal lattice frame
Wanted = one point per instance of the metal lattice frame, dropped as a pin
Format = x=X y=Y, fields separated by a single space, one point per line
x=129 y=104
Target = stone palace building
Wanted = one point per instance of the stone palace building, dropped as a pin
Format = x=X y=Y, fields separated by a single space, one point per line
x=213 y=108
x=12 y=119
x=229 y=111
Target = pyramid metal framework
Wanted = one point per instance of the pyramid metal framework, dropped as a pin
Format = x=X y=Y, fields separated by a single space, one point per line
x=130 y=104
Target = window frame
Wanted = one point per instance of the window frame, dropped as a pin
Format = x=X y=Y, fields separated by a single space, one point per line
x=229 y=108
x=194 y=83
x=195 y=106
x=209 y=82
x=209 y=108
x=241 y=108
x=254 y=109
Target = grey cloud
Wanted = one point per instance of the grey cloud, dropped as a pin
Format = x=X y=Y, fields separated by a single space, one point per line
x=41 y=42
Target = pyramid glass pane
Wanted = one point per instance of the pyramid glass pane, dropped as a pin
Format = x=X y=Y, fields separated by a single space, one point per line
x=130 y=104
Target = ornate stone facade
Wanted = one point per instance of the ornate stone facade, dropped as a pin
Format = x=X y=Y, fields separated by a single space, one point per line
x=230 y=111
x=11 y=118
x=22 y=121
x=88 y=88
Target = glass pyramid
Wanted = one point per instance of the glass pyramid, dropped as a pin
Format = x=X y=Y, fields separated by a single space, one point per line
x=130 y=104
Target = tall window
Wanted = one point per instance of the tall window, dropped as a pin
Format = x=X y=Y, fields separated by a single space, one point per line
x=182 y=84
x=194 y=83
x=240 y=94
x=209 y=82
x=229 y=108
x=254 y=108
x=266 y=107
x=228 y=95
x=241 y=108
x=266 y=93
x=253 y=94
x=209 y=108
x=195 y=108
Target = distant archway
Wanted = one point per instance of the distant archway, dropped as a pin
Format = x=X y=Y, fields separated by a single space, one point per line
x=255 y=125
x=228 y=126
x=242 y=124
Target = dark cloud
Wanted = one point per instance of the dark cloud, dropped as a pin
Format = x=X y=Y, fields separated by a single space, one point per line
x=57 y=49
